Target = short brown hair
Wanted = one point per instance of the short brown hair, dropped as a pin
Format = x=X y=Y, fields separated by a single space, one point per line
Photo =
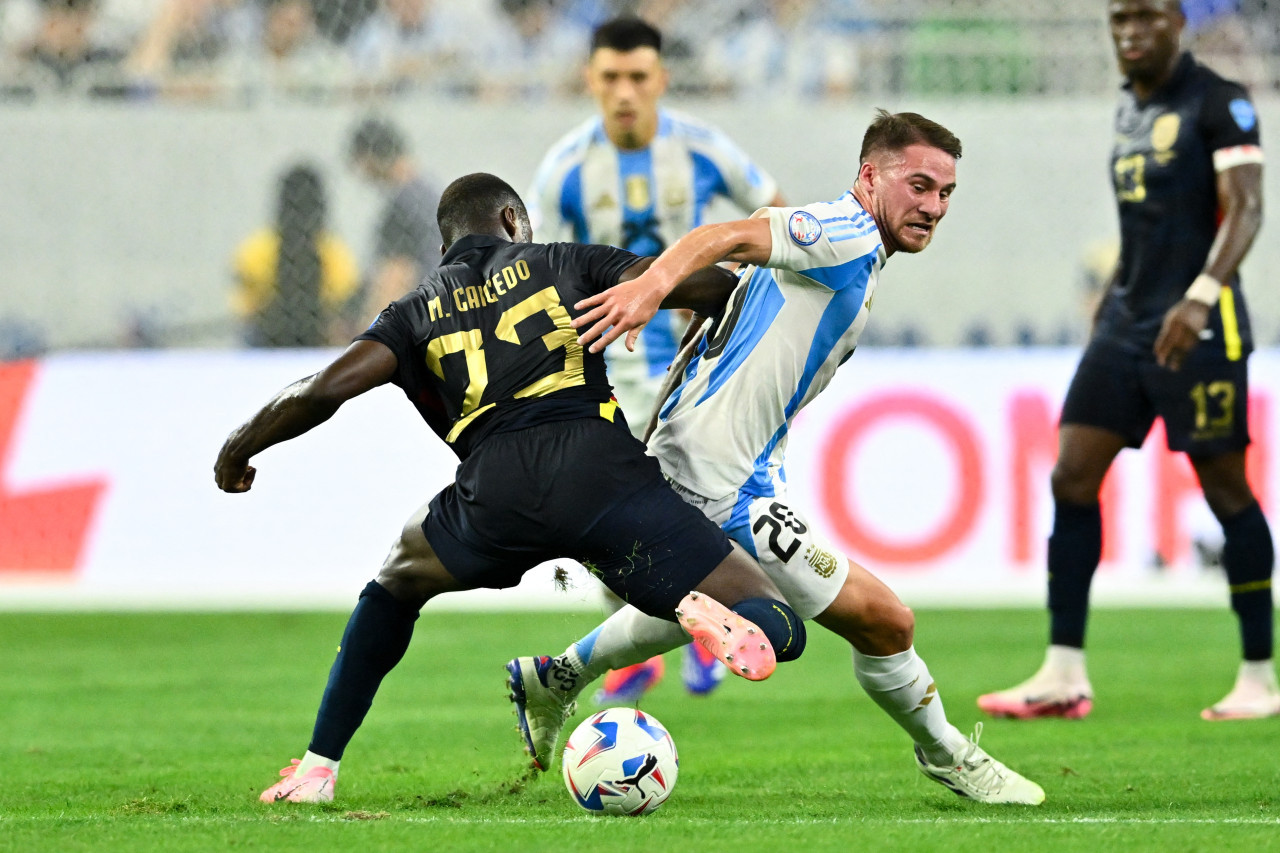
x=895 y=131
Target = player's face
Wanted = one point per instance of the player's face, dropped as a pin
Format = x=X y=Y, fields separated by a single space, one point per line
x=1145 y=35
x=627 y=86
x=370 y=170
x=910 y=192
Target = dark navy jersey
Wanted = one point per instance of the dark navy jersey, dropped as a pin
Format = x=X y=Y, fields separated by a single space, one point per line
x=1163 y=169
x=484 y=344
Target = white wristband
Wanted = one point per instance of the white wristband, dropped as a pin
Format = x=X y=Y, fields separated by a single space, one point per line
x=1205 y=289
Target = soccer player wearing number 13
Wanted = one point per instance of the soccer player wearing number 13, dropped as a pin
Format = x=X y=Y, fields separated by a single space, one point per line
x=485 y=350
x=1170 y=339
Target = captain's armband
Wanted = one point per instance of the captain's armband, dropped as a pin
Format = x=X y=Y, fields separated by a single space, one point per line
x=1236 y=155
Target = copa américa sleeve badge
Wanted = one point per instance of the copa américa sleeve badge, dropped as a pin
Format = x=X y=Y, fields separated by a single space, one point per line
x=804 y=227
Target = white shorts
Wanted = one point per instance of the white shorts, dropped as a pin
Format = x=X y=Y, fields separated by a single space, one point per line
x=807 y=568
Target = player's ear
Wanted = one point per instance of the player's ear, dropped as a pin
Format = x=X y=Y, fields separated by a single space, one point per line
x=511 y=224
x=868 y=174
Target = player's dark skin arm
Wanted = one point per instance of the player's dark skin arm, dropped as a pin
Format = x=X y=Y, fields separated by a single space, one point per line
x=1240 y=199
x=301 y=406
x=704 y=292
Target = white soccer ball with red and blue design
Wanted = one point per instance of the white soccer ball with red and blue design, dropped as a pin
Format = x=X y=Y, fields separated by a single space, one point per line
x=620 y=761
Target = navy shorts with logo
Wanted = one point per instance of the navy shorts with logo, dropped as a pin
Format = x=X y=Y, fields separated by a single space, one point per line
x=581 y=489
x=1204 y=405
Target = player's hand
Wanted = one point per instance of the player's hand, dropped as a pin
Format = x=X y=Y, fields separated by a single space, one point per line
x=625 y=307
x=231 y=473
x=1180 y=332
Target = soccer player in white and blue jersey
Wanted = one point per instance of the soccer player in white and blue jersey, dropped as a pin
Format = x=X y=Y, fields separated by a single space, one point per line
x=639 y=177
x=793 y=320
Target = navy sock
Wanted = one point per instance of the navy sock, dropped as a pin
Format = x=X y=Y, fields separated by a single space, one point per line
x=1075 y=549
x=784 y=630
x=1248 y=557
x=374 y=641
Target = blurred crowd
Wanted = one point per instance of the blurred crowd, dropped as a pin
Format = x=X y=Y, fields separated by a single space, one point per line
x=250 y=51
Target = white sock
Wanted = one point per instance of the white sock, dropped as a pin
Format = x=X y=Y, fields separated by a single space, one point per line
x=312 y=760
x=1067 y=662
x=1260 y=672
x=902 y=686
x=626 y=637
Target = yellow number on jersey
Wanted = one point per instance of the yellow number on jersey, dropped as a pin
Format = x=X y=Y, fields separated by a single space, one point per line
x=471 y=344
x=565 y=336
x=1129 y=178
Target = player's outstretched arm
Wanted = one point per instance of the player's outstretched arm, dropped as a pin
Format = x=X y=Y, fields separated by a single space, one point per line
x=1240 y=200
x=301 y=406
x=629 y=305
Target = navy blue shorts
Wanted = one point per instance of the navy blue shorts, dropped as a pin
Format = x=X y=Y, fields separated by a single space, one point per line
x=1204 y=405
x=581 y=489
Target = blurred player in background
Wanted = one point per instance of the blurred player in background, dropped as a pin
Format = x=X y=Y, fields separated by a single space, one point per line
x=1171 y=339
x=794 y=318
x=407 y=240
x=295 y=278
x=640 y=177
x=485 y=350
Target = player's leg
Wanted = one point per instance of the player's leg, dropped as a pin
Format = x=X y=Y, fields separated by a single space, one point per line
x=1248 y=557
x=1107 y=408
x=1060 y=688
x=654 y=550
x=375 y=639
x=627 y=685
x=674 y=548
x=737 y=580
x=545 y=688
x=868 y=614
x=1204 y=406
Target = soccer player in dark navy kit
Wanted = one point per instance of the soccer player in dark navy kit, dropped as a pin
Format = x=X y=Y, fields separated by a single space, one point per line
x=1170 y=340
x=485 y=350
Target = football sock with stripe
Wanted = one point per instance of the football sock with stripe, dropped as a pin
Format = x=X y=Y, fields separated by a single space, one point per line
x=1075 y=549
x=628 y=636
x=902 y=686
x=779 y=623
x=1248 y=557
x=374 y=641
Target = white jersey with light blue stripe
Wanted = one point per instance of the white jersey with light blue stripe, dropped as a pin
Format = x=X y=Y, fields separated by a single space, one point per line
x=588 y=191
x=787 y=327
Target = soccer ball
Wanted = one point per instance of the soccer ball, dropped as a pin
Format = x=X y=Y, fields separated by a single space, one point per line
x=620 y=761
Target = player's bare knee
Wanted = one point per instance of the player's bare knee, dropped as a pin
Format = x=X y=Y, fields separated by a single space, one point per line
x=404 y=586
x=891 y=627
x=414 y=578
x=1074 y=484
x=1228 y=502
x=1224 y=484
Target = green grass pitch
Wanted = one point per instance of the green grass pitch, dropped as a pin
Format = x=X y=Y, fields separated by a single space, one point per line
x=158 y=731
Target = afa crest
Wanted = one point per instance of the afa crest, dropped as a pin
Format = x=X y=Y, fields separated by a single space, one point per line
x=822 y=561
x=638 y=197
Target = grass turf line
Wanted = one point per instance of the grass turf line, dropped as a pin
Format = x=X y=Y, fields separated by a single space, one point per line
x=157 y=731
